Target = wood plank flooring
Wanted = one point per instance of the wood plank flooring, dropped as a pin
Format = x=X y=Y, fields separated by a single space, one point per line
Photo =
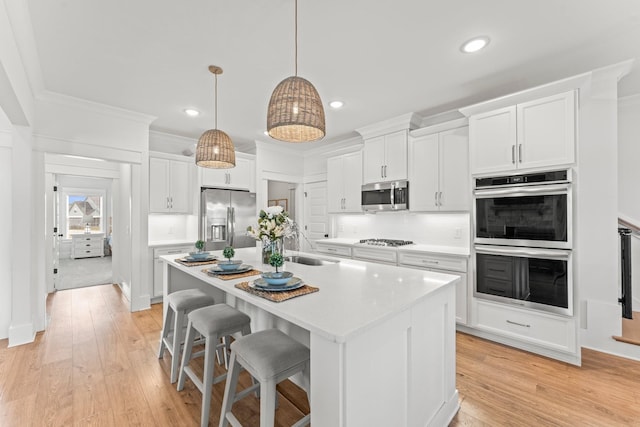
x=96 y=365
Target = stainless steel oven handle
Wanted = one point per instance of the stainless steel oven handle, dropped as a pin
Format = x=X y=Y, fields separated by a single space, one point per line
x=523 y=191
x=558 y=254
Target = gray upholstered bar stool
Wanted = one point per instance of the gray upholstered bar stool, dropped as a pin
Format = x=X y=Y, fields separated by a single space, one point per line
x=270 y=356
x=179 y=304
x=213 y=323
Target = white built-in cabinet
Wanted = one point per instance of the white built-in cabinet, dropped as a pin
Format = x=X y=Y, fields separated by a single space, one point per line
x=439 y=170
x=344 y=183
x=442 y=263
x=170 y=188
x=241 y=177
x=531 y=135
x=385 y=158
x=158 y=264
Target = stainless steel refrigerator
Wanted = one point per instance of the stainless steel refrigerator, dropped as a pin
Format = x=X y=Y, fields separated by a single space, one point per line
x=225 y=216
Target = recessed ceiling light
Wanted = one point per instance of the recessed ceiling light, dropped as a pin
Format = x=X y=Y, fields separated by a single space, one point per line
x=336 y=104
x=191 y=112
x=475 y=44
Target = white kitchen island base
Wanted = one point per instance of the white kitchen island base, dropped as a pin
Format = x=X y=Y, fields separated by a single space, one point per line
x=382 y=338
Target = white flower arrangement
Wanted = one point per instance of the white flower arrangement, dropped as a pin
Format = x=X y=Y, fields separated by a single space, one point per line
x=273 y=224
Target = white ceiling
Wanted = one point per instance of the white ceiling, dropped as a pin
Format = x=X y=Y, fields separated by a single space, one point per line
x=383 y=58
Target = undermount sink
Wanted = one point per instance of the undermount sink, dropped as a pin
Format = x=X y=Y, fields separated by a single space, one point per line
x=309 y=261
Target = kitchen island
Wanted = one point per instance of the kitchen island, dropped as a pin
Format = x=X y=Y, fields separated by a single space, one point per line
x=382 y=338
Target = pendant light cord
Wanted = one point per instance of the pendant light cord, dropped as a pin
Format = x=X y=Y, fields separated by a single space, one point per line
x=215 y=104
x=296 y=35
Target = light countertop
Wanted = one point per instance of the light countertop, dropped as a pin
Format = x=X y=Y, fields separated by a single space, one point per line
x=353 y=296
x=177 y=242
x=434 y=249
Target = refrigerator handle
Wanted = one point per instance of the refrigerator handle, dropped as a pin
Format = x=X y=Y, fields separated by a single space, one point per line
x=230 y=223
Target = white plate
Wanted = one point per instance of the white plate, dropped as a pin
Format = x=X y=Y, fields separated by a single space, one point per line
x=242 y=269
x=262 y=285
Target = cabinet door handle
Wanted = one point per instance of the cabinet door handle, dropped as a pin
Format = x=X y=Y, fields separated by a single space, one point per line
x=385 y=171
x=518 y=324
x=440 y=198
x=513 y=154
x=381 y=171
x=435 y=198
x=520 y=153
x=167 y=202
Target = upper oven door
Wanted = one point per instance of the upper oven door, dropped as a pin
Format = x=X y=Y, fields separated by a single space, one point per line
x=532 y=216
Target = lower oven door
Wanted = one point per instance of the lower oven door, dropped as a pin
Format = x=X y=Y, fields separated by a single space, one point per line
x=530 y=277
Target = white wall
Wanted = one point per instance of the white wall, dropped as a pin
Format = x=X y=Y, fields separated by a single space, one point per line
x=5 y=243
x=629 y=158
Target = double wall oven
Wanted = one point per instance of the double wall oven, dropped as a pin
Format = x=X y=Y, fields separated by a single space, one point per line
x=523 y=240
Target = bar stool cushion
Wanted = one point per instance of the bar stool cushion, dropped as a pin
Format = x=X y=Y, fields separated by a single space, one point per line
x=270 y=352
x=189 y=299
x=219 y=319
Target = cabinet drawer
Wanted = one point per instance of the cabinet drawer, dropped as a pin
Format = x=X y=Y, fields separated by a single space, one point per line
x=537 y=328
x=87 y=244
x=370 y=254
x=439 y=262
x=172 y=250
x=343 y=251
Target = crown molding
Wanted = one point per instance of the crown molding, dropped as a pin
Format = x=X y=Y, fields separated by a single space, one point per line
x=407 y=121
x=95 y=107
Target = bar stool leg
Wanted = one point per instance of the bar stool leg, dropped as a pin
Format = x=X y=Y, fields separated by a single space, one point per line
x=165 y=332
x=209 y=358
x=267 y=403
x=229 y=390
x=186 y=354
x=175 y=357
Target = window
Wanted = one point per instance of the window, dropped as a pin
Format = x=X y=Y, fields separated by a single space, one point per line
x=85 y=213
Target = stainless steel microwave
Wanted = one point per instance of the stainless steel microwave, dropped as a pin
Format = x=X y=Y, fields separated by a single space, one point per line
x=385 y=196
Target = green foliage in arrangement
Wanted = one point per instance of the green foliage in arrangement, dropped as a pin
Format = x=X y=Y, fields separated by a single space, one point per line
x=276 y=260
x=200 y=245
x=228 y=252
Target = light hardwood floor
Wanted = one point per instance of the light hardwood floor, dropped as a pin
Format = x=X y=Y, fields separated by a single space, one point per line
x=96 y=365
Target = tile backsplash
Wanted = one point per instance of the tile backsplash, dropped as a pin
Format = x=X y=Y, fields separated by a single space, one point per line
x=446 y=229
x=173 y=227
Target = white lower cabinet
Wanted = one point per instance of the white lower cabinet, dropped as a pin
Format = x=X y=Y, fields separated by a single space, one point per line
x=332 y=249
x=443 y=264
x=541 y=329
x=373 y=254
x=158 y=264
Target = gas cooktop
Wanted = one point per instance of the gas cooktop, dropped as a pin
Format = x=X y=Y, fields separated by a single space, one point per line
x=386 y=242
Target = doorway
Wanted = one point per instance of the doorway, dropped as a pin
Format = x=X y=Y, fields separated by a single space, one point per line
x=83 y=210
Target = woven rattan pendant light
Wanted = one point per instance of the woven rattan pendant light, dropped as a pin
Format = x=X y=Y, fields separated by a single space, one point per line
x=295 y=111
x=215 y=148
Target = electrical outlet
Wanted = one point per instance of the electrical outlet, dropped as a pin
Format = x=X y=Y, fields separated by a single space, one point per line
x=170 y=230
x=458 y=233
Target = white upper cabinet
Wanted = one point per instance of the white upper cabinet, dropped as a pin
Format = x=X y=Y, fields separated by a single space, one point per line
x=530 y=135
x=439 y=171
x=344 y=183
x=385 y=158
x=169 y=186
x=241 y=177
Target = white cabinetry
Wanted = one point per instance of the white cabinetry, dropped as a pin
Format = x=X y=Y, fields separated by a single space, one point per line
x=385 y=158
x=344 y=183
x=170 y=187
x=87 y=245
x=540 y=329
x=241 y=177
x=333 y=249
x=158 y=264
x=531 y=135
x=375 y=254
x=443 y=264
x=439 y=171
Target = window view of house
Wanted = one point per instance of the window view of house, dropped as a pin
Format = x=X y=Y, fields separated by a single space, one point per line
x=84 y=214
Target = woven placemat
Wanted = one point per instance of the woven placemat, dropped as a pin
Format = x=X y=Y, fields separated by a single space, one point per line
x=278 y=296
x=232 y=276
x=195 y=263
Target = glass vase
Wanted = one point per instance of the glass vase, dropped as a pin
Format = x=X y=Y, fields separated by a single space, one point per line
x=269 y=248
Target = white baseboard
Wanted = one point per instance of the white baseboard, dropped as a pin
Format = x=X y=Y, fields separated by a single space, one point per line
x=21 y=334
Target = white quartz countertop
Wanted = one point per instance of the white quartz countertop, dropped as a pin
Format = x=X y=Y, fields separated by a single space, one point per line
x=437 y=249
x=353 y=295
x=177 y=242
